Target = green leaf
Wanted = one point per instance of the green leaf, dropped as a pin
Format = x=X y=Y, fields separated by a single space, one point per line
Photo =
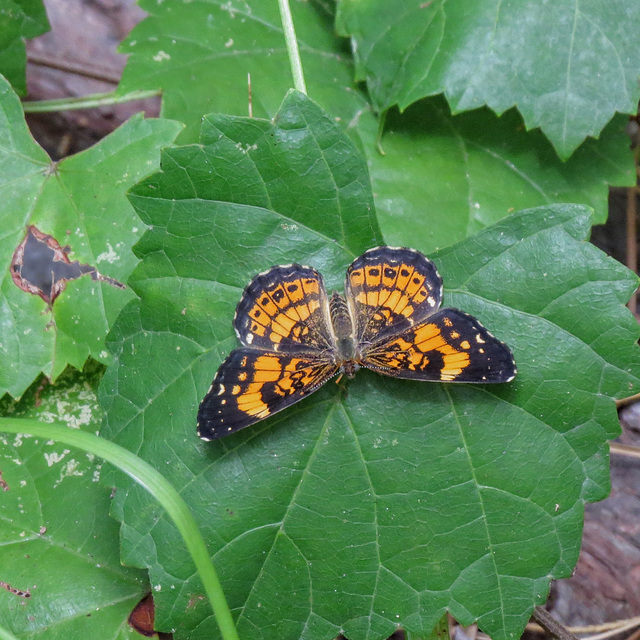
x=363 y=509
x=480 y=169
x=332 y=197
x=442 y=178
x=19 y=20
x=81 y=203
x=568 y=67
x=57 y=539
x=220 y=43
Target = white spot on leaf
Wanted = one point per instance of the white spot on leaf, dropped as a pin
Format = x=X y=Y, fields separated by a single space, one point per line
x=55 y=457
x=70 y=468
x=109 y=255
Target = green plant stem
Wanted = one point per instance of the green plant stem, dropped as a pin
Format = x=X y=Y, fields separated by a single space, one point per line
x=158 y=487
x=86 y=102
x=381 y=123
x=292 y=46
x=6 y=635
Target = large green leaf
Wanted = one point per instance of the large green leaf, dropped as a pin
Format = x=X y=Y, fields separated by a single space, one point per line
x=567 y=66
x=442 y=177
x=199 y=54
x=383 y=504
x=229 y=166
x=56 y=537
x=80 y=202
x=19 y=19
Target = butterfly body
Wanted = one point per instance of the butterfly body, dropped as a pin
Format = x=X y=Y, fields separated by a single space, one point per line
x=346 y=351
x=295 y=338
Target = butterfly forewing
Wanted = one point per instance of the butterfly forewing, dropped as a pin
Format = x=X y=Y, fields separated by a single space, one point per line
x=450 y=346
x=286 y=310
x=389 y=290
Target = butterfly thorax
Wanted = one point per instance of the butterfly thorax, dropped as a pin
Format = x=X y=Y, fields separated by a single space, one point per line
x=346 y=348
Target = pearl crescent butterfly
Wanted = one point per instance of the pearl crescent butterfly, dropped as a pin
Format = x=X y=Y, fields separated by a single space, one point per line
x=295 y=337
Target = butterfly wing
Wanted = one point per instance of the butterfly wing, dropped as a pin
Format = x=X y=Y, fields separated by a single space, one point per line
x=285 y=309
x=389 y=290
x=252 y=385
x=451 y=346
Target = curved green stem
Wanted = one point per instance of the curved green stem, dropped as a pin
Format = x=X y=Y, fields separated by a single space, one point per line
x=292 y=46
x=145 y=475
x=6 y=635
x=85 y=102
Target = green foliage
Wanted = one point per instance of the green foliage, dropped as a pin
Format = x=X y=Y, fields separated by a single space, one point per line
x=57 y=538
x=80 y=201
x=480 y=168
x=380 y=504
x=568 y=68
x=442 y=177
x=19 y=19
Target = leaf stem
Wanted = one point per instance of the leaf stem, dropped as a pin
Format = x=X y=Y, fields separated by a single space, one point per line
x=86 y=102
x=145 y=475
x=292 y=46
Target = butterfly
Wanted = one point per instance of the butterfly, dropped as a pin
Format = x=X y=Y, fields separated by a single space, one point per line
x=295 y=337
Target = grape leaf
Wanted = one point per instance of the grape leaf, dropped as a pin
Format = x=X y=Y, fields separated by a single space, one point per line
x=58 y=541
x=362 y=509
x=19 y=20
x=567 y=67
x=480 y=169
x=81 y=202
x=442 y=177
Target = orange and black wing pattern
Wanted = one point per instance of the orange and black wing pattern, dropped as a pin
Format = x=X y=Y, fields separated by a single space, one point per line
x=389 y=290
x=285 y=309
x=450 y=346
x=283 y=321
x=391 y=323
x=251 y=385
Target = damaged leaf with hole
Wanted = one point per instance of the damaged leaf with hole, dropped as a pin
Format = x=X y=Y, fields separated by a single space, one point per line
x=80 y=201
x=41 y=266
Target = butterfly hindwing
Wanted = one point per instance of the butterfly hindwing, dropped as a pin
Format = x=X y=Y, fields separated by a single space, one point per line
x=251 y=385
x=285 y=309
x=450 y=346
x=389 y=290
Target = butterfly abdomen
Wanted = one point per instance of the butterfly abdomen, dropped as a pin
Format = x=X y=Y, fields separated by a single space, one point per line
x=346 y=347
